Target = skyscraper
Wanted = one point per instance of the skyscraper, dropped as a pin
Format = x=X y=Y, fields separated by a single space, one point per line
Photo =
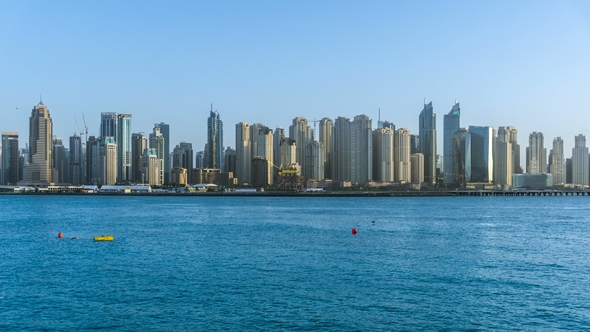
x=109 y=128
x=503 y=158
x=287 y=152
x=415 y=144
x=326 y=138
x=123 y=141
x=427 y=132
x=157 y=143
x=314 y=161
x=482 y=160
x=199 y=160
x=402 y=157
x=353 y=149
x=108 y=125
x=557 y=162
x=76 y=161
x=255 y=131
x=451 y=125
x=165 y=131
x=383 y=161
x=60 y=164
x=93 y=175
x=462 y=156
x=362 y=148
x=138 y=147
x=417 y=166
x=341 y=151
x=580 y=161
x=108 y=161
x=536 y=154
x=183 y=158
x=243 y=153
x=214 y=140
x=265 y=150
x=301 y=132
x=39 y=170
x=279 y=135
x=229 y=160
x=10 y=159
x=153 y=163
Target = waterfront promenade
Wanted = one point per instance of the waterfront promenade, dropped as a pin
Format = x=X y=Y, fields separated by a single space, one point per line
x=344 y=193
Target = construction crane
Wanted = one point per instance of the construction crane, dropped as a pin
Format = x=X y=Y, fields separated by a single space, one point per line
x=77 y=125
x=85 y=128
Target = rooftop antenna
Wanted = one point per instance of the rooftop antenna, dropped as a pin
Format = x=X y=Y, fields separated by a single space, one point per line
x=379 y=114
x=424 y=101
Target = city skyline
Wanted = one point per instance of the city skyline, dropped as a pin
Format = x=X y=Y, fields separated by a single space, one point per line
x=269 y=62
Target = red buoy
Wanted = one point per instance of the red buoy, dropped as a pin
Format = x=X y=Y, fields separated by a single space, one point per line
x=59 y=235
x=354 y=231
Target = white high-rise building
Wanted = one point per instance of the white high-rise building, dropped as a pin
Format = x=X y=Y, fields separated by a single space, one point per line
x=353 y=149
x=557 y=162
x=314 y=154
x=153 y=166
x=264 y=150
x=108 y=161
x=503 y=158
x=383 y=164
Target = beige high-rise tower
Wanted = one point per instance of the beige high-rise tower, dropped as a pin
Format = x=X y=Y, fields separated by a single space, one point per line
x=383 y=164
x=536 y=154
x=243 y=153
x=39 y=171
x=401 y=156
x=264 y=142
x=557 y=160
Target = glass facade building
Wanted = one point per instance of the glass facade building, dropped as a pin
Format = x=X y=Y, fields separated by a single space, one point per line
x=427 y=132
x=214 y=140
x=450 y=126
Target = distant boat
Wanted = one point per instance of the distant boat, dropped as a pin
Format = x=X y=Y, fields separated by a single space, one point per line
x=104 y=238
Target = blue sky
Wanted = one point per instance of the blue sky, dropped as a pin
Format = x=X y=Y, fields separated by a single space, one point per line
x=520 y=63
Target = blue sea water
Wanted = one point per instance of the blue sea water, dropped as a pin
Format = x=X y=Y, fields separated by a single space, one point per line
x=291 y=263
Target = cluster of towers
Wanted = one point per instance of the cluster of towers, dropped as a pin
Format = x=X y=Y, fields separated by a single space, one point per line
x=339 y=152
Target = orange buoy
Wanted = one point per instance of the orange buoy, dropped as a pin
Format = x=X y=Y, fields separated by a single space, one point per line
x=59 y=235
x=354 y=231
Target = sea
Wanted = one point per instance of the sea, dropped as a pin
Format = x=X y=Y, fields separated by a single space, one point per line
x=188 y=263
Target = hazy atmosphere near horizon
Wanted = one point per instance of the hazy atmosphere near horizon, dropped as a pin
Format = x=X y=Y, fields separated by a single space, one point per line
x=518 y=63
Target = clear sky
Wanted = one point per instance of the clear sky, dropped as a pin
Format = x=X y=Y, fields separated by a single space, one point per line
x=520 y=63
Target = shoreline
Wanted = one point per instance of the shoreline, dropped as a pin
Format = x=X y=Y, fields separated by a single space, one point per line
x=322 y=194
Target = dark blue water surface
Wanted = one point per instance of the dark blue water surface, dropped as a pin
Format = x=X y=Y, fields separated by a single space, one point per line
x=290 y=263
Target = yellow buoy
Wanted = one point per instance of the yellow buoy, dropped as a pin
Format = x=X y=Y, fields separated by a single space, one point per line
x=104 y=238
